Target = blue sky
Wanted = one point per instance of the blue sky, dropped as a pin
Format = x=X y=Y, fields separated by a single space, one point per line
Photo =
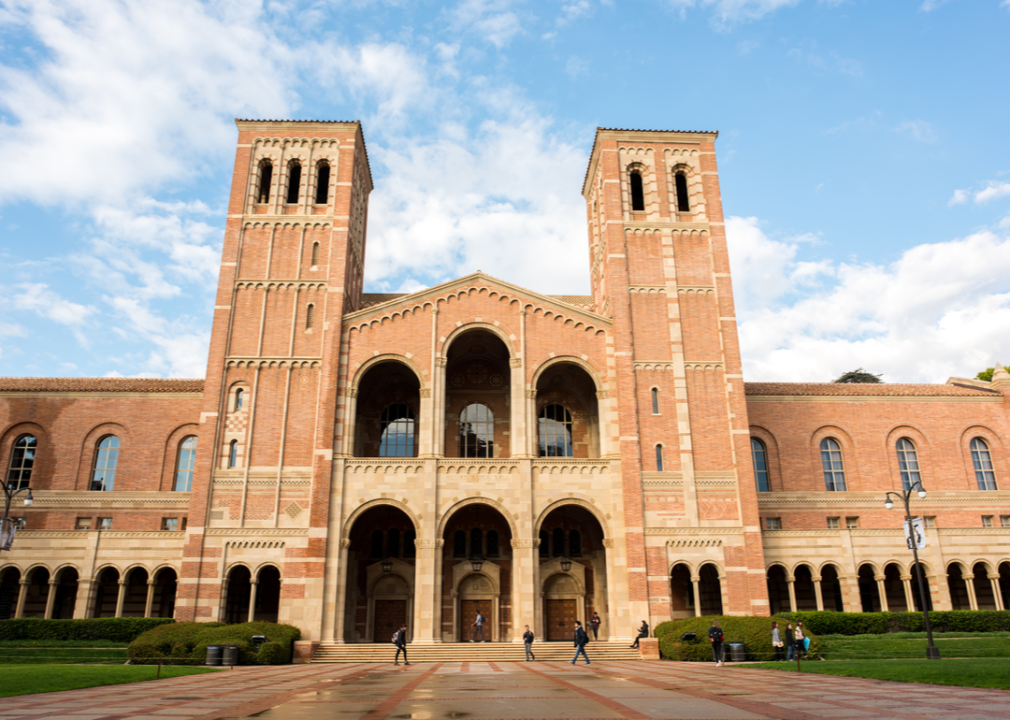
x=863 y=151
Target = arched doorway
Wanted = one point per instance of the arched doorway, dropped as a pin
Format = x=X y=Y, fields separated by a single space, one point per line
x=571 y=546
x=10 y=586
x=388 y=412
x=869 y=592
x=135 y=600
x=477 y=571
x=65 y=602
x=894 y=588
x=985 y=598
x=267 y=591
x=959 y=599
x=106 y=593
x=1004 y=582
x=831 y=589
x=477 y=397
x=567 y=413
x=803 y=586
x=238 y=592
x=37 y=594
x=710 y=590
x=165 y=583
x=916 y=595
x=778 y=590
x=681 y=592
x=380 y=575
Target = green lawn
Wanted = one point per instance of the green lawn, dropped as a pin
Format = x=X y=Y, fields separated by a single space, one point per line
x=16 y=680
x=913 y=645
x=62 y=656
x=965 y=673
x=62 y=644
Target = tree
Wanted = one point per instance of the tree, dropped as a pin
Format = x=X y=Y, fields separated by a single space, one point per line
x=858 y=376
x=986 y=375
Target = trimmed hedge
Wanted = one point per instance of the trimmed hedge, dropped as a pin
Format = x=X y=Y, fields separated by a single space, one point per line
x=114 y=629
x=186 y=643
x=839 y=623
x=754 y=632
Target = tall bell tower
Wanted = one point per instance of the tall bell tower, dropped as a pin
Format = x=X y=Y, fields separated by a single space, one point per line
x=660 y=269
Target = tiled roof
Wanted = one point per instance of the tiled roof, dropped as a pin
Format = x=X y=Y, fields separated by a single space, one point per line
x=865 y=389
x=85 y=384
x=582 y=301
x=369 y=299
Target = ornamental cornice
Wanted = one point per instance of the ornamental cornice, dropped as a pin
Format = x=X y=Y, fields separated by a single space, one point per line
x=661 y=365
x=278 y=284
x=269 y=362
x=256 y=532
x=111 y=534
x=515 y=362
x=93 y=499
x=525 y=543
x=694 y=531
x=875 y=500
x=429 y=544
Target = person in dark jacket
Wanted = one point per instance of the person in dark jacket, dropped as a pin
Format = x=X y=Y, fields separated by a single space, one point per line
x=528 y=644
x=400 y=640
x=581 y=640
x=715 y=637
x=643 y=632
x=790 y=642
x=594 y=623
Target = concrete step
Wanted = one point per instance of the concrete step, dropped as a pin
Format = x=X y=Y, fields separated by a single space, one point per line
x=468 y=652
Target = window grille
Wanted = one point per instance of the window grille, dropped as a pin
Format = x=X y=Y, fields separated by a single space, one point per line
x=655 y=401
x=19 y=474
x=908 y=464
x=555 y=432
x=185 y=464
x=476 y=432
x=760 y=459
x=397 y=428
x=831 y=462
x=985 y=476
x=103 y=476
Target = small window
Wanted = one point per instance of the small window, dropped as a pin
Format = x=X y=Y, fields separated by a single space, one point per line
x=239 y=398
x=476 y=543
x=266 y=174
x=310 y=313
x=409 y=544
x=104 y=475
x=831 y=463
x=459 y=544
x=476 y=432
x=492 y=543
x=1004 y=520
x=397 y=428
x=930 y=521
x=557 y=542
x=987 y=521
x=315 y=254
x=233 y=454
x=908 y=464
x=104 y=523
x=294 y=180
x=170 y=524
x=555 y=428
x=760 y=458
x=393 y=543
x=575 y=543
x=637 y=192
x=83 y=523
x=832 y=523
x=184 y=465
x=22 y=461
x=322 y=183
x=985 y=476
x=852 y=523
x=682 y=202
x=659 y=458
x=773 y=523
x=375 y=546
x=655 y=401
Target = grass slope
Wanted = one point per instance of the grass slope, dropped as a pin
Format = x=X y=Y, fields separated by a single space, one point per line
x=983 y=673
x=63 y=656
x=913 y=645
x=51 y=678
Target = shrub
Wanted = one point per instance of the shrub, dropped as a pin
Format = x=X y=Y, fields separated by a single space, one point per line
x=186 y=643
x=754 y=632
x=114 y=629
x=836 y=623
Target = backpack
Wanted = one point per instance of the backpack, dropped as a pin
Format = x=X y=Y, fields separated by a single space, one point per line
x=396 y=636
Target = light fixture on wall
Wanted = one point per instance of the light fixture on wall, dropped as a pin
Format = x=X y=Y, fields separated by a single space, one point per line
x=477 y=560
x=387 y=565
x=566 y=562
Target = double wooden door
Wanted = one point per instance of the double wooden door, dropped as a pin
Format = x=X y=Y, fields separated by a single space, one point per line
x=468 y=614
x=389 y=616
x=560 y=621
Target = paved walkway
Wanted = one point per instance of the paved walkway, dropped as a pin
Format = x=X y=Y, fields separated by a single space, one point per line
x=500 y=691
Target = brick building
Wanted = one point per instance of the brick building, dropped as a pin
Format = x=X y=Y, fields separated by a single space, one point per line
x=353 y=461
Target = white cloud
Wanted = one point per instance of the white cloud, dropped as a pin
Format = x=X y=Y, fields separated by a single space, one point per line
x=811 y=54
x=729 y=12
x=931 y=5
x=576 y=67
x=992 y=192
x=960 y=197
x=491 y=19
x=39 y=299
x=918 y=129
x=939 y=310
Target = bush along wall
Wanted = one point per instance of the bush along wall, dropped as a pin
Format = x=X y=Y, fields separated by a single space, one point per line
x=754 y=632
x=186 y=643
x=839 y=623
x=114 y=629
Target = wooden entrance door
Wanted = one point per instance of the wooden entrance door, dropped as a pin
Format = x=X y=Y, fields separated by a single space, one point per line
x=468 y=613
x=389 y=616
x=560 y=623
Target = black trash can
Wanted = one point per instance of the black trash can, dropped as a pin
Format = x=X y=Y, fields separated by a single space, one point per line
x=230 y=655
x=214 y=655
x=257 y=641
x=737 y=652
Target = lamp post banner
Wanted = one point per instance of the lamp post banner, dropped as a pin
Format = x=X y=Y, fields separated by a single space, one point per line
x=7 y=530
x=918 y=529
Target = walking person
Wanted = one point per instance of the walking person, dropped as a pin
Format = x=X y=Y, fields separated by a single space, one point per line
x=776 y=642
x=594 y=623
x=790 y=642
x=581 y=640
x=643 y=632
x=528 y=644
x=478 y=628
x=400 y=640
x=801 y=646
x=715 y=637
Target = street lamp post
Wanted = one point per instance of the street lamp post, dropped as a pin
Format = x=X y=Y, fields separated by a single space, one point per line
x=9 y=494
x=932 y=651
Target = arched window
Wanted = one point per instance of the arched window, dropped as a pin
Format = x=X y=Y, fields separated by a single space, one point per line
x=831 y=463
x=322 y=183
x=492 y=543
x=655 y=401
x=659 y=458
x=315 y=254
x=397 y=427
x=22 y=461
x=980 y=457
x=375 y=548
x=682 y=202
x=637 y=191
x=760 y=458
x=544 y=547
x=184 y=464
x=409 y=548
x=459 y=544
x=393 y=543
x=476 y=432
x=266 y=174
x=294 y=180
x=476 y=543
x=233 y=454
x=575 y=543
x=310 y=314
x=908 y=463
x=104 y=475
x=555 y=432
x=557 y=542
x=239 y=397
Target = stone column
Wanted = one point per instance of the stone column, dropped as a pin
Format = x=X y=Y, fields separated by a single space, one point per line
x=882 y=591
x=121 y=598
x=906 y=580
x=19 y=609
x=524 y=585
x=82 y=603
x=996 y=592
x=696 y=586
x=969 y=581
x=149 y=604
x=428 y=566
x=51 y=599
x=253 y=588
x=341 y=599
x=791 y=586
x=817 y=592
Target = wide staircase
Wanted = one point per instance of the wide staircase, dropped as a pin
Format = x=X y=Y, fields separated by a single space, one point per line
x=468 y=652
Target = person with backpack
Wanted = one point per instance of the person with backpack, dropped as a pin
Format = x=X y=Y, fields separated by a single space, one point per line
x=478 y=627
x=400 y=640
x=594 y=623
x=790 y=642
x=715 y=637
x=581 y=640
x=528 y=644
x=643 y=632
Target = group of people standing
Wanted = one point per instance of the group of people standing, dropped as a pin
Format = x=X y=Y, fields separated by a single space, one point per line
x=795 y=644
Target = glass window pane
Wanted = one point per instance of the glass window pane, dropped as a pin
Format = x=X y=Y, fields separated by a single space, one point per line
x=831 y=462
x=476 y=432
x=982 y=460
x=759 y=457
